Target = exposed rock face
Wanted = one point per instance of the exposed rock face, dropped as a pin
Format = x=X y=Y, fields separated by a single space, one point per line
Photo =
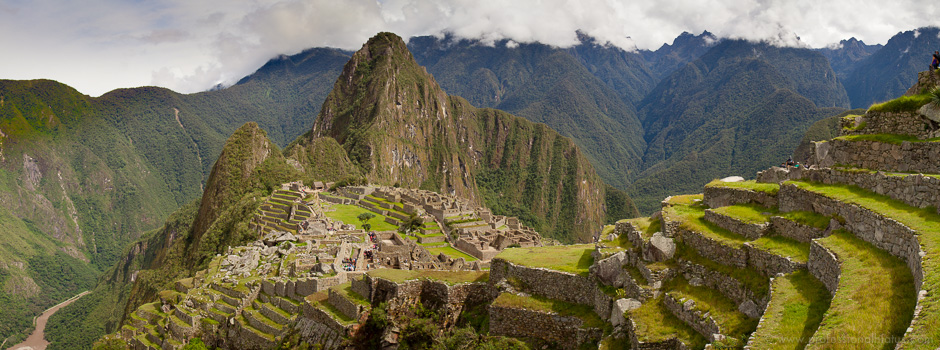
x=660 y=247
x=399 y=127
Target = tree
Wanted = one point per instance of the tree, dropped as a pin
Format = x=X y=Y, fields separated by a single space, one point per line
x=412 y=224
x=364 y=218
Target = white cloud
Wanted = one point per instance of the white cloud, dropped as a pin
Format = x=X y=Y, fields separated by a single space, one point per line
x=190 y=46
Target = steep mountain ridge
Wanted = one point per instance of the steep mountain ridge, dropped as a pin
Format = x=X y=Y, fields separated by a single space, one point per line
x=888 y=72
x=584 y=92
x=399 y=127
x=696 y=120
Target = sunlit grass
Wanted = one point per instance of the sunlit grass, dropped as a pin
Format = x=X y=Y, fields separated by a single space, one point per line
x=796 y=308
x=567 y=258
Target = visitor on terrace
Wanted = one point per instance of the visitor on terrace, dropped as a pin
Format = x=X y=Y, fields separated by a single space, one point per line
x=936 y=60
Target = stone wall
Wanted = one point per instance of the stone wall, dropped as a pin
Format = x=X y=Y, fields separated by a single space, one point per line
x=885 y=233
x=713 y=250
x=724 y=284
x=770 y=264
x=824 y=265
x=686 y=311
x=716 y=197
x=345 y=306
x=449 y=300
x=631 y=232
x=898 y=123
x=794 y=230
x=636 y=344
x=751 y=231
x=918 y=157
x=913 y=189
x=567 y=331
x=760 y=323
x=313 y=332
x=552 y=284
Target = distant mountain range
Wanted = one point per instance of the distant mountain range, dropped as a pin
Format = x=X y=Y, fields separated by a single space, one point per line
x=81 y=178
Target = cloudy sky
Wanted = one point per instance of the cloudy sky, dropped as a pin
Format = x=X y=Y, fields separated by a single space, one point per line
x=191 y=45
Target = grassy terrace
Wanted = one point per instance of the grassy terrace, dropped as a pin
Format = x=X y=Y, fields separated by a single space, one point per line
x=885 y=138
x=348 y=213
x=537 y=303
x=807 y=218
x=769 y=188
x=795 y=310
x=449 y=277
x=319 y=301
x=567 y=258
x=451 y=252
x=646 y=226
x=346 y=291
x=734 y=324
x=782 y=246
x=747 y=213
x=927 y=224
x=753 y=280
x=859 y=312
x=901 y=104
x=692 y=217
x=654 y=323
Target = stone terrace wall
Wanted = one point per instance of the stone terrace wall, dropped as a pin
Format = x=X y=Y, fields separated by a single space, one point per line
x=770 y=264
x=713 y=250
x=635 y=343
x=920 y=157
x=885 y=233
x=552 y=284
x=716 y=197
x=900 y=123
x=749 y=230
x=449 y=299
x=700 y=321
x=566 y=331
x=915 y=189
x=795 y=230
x=824 y=265
x=314 y=332
x=726 y=285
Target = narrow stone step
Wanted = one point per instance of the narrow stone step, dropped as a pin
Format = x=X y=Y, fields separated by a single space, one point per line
x=261 y=322
x=719 y=194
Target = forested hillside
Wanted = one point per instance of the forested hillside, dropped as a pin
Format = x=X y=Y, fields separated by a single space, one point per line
x=888 y=72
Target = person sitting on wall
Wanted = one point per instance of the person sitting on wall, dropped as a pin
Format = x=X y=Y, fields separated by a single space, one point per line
x=936 y=60
x=790 y=162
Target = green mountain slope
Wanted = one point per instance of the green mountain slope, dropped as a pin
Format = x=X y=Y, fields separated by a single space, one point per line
x=585 y=92
x=398 y=126
x=737 y=109
x=888 y=72
x=845 y=56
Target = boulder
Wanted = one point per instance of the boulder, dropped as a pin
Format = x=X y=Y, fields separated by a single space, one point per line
x=276 y=237
x=750 y=309
x=660 y=248
x=931 y=111
x=609 y=269
x=620 y=307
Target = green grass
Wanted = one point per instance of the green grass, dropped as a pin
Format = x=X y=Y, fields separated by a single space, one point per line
x=655 y=323
x=346 y=291
x=782 y=246
x=584 y=312
x=692 y=218
x=885 y=138
x=769 y=188
x=747 y=213
x=754 y=281
x=901 y=104
x=451 y=251
x=636 y=275
x=320 y=300
x=724 y=311
x=450 y=277
x=646 y=226
x=794 y=313
x=567 y=258
x=925 y=221
x=875 y=299
x=348 y=213
x=807 y=218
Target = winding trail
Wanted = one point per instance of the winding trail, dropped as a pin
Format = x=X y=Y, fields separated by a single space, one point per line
x=37 y=339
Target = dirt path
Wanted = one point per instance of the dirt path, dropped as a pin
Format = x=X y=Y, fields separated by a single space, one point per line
x=37 y=340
